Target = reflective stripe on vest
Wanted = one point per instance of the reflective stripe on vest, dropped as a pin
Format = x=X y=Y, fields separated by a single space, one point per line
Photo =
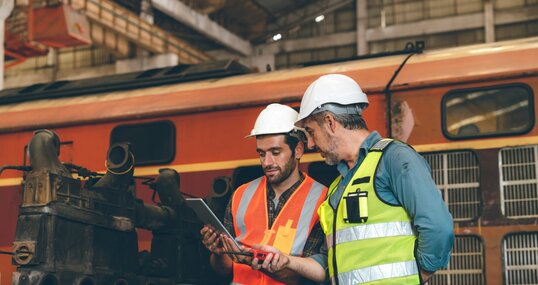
x=243 y=204
x=378 y=272
x=379 y=250
x=289 y=231
x=303 y=226
x=308 y=209
x=379 y=230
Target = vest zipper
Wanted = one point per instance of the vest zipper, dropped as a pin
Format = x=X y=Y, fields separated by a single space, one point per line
x=335 y=271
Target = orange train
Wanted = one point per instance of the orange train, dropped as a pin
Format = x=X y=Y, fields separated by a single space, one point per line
x=470 y=111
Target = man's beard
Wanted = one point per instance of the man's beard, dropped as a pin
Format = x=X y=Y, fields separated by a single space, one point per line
x=331 y=158
x=285 y=172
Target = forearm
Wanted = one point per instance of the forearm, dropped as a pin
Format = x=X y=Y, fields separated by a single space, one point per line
x=221 y=264
x=286 y=276
x=307 y=268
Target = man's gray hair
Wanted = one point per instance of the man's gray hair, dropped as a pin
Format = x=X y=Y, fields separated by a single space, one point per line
x=349 y=117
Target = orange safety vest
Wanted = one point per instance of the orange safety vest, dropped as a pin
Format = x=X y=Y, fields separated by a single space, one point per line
x=289 y=231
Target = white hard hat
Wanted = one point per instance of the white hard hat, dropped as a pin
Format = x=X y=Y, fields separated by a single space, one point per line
x=274 y=119
x=331 y=88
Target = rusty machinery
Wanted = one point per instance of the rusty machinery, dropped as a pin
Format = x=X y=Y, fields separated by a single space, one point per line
x=71 y=231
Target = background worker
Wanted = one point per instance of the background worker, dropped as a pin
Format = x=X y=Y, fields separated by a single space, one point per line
x=278 y=209
x=384 y=219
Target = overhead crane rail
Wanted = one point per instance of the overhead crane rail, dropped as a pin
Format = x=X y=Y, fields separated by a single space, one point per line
x=106 y=16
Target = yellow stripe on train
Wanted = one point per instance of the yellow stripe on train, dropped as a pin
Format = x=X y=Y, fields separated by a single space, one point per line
x=231 y=164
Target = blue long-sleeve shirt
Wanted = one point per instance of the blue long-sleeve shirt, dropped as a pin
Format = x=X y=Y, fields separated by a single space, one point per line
x=403 y=177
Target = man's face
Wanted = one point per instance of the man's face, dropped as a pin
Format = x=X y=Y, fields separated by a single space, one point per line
x=276 y=158
x=319 y=138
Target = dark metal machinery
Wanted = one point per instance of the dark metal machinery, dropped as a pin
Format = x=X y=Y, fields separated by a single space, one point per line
x=71 y=231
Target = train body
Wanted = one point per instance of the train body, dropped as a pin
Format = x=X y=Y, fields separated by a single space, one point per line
x=470 y=111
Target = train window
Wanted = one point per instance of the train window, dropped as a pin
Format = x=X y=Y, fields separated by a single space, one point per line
x=489 y=111
x=152 y=143
x=520 y=258
x=518 y=174
x=457 y=175
x=466 y=263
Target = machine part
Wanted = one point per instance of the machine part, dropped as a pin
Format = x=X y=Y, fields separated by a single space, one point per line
x=222 y=186
x=44 y=149
x=167 y=185
x=24 y=252
x=221 y=193
x=153 y=217
x=48 y=176
x=49 y=279
x=120 y=168
x=86 y=280
x=70 y=234
x=121 y=282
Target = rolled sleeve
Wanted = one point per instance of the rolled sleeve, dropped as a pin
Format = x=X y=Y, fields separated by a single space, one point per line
x=321 y=256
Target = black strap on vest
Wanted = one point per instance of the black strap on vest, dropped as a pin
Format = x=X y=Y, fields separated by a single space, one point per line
x=361 y=180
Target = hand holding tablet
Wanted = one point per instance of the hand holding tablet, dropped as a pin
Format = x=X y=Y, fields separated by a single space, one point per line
x=207 y=217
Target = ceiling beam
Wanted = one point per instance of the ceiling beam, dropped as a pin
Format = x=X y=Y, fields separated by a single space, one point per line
x=114 y=20
x=302 y=15
x=202 y=24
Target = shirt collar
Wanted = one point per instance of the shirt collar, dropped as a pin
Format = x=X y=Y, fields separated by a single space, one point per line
x=271 y=192
x=368 y=143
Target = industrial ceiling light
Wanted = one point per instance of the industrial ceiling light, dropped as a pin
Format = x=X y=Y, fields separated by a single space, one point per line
x=277 y=37
x=320 y=18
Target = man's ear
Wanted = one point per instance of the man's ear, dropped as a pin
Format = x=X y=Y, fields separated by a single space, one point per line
x=299 y=150
x=330 y=123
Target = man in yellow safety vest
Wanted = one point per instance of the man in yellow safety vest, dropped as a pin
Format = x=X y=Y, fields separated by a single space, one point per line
x=384 y=219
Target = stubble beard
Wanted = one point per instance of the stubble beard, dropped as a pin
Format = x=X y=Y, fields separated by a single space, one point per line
x=331 y=158
x=284 y=173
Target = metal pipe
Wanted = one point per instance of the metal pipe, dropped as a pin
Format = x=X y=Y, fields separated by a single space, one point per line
x=120 y=168
x=43 y=151
x=153 y=217
x=167 y=185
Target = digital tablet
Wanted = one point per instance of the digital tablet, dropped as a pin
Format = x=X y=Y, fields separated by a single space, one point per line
x=207 y=216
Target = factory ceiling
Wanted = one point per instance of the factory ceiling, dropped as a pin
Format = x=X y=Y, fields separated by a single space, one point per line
x=191 y=29
x=235 y=25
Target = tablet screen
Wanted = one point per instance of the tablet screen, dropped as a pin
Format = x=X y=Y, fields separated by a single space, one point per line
x=207 y=216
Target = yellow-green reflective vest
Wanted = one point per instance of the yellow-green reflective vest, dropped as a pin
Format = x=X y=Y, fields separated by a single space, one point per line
x=378 y=250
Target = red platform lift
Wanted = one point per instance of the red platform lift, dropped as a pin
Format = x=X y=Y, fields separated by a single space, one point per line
x=33 y=27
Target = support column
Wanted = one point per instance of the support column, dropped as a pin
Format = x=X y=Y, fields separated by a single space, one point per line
x=362 y=26
x=489 y=22
x=53 y=60
x=146 y=11
x=6 y=6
